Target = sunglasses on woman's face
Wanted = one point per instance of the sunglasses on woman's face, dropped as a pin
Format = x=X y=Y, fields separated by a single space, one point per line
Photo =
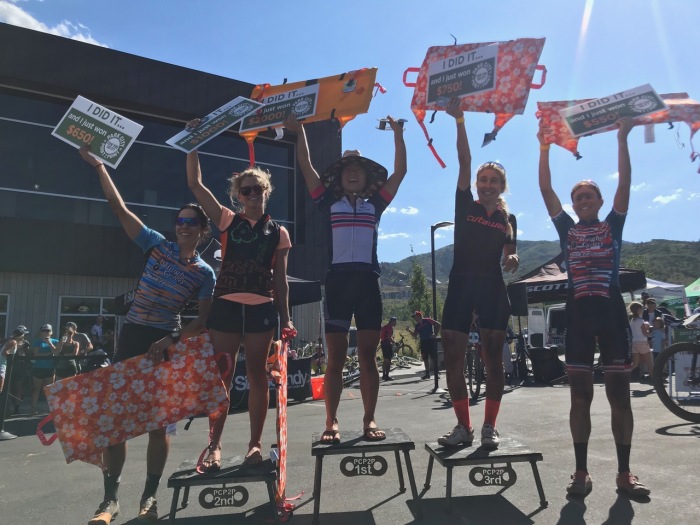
x=247 y=190
x=189 y=221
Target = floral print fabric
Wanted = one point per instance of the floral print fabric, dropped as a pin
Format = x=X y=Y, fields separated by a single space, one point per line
x=111 y=405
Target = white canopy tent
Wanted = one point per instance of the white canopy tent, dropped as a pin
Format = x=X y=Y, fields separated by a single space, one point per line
x=670 y=292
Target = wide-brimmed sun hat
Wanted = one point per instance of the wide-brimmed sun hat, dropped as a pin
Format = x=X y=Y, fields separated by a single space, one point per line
x=376 y=173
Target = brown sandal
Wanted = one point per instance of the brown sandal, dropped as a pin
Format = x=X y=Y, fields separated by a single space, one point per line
x=212 y=463
x=253 y=457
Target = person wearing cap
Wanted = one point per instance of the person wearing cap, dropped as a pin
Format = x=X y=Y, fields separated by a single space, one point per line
x=484 y=247
x=79 y=337
x=595 y=309
x=43 y=348
x=10 y=348
x=425 y=330
x=386 y=340
x=353 y=192
x=172 y=275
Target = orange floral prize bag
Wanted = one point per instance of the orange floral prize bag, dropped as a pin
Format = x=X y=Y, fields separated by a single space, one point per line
x=114 y=404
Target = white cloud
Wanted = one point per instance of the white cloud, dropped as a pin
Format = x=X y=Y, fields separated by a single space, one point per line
x=568 y=208
x=693 y=196
x=519 y=232
x=409 y=210
x=16 y=16
x=394 y=236
x=614 y=176
x=665 y=199
x=640 y=186
x=391 y=209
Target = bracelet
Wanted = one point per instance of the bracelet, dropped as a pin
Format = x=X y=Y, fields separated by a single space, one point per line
x=459 y=120
x=544 y=147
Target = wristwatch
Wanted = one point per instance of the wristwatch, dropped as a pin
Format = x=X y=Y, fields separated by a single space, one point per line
x=175 y=335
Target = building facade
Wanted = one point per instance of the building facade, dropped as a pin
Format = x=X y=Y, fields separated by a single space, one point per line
x=65 y=256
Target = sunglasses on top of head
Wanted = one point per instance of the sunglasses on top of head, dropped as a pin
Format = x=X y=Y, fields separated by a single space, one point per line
x=189 y=221
x=247 y=190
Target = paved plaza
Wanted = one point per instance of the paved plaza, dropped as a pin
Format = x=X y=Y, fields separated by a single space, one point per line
x=36 y=485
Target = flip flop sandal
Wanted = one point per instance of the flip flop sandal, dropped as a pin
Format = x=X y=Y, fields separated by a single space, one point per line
x=330 y=437
x=253 y=458
x=374 y=434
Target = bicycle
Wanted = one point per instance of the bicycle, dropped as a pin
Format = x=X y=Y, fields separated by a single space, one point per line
x=682 y=393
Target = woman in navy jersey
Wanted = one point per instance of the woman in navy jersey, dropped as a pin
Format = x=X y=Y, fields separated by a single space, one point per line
x=251 y=290
x=595 y=311
x=354 y=192
x=484 y=241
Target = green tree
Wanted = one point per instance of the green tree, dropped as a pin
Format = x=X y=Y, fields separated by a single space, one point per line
x=637 y=262
x=420 y=298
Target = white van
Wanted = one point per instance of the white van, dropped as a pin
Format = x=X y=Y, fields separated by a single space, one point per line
x=545 y=328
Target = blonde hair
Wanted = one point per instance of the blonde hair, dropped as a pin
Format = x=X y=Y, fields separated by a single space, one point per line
x=636 y=307
x=263 y=177
x=498 y=168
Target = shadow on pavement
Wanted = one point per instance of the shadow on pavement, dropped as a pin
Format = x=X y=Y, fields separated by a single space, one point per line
x=680 y=430
x=621 y=512
x=22 y=426
x=572 y=512
x=470 y=509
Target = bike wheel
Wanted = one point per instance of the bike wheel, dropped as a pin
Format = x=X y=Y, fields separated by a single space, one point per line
x=682 y=393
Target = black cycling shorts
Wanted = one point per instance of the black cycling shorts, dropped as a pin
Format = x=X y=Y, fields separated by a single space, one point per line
x=135 y=340
x=428 y=348
x=387 y=349
x=237 y=318
x=351 y=293
x=42 y=373
x=601 y=318
x=485 y=294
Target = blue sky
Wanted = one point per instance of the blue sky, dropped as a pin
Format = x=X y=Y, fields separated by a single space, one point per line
x=594 y=48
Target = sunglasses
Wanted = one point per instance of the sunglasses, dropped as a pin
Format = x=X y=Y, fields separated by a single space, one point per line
x=189 y=221
x=46 y=330
x=247 y=190
x=492 y=165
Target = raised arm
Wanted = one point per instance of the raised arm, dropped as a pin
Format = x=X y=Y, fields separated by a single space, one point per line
x=464 y=154
x=313 y=181
x=281 y=288
x=204 y=197
x=551 y=201
x=624 y=166
x=131 y=223
x=400 y=166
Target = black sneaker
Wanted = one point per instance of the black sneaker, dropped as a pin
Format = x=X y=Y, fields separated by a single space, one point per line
x=148 y=509
x=388 y=378
x=105 y=513
x=426 y=376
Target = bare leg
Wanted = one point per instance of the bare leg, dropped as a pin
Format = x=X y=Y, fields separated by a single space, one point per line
x=454 y=345
x=257 y=347
x=333 y=383
x=617 y=388
x=367 y=341
x=157 y=452
x=492 y=352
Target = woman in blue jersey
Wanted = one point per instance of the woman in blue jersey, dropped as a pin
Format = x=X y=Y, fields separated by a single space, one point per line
x=354 y=191
x=484 y=241
x=595 y=311
x=251 y=290
x=173 y=274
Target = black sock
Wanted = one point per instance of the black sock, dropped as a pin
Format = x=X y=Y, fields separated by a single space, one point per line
x=581 y=454
x=623 y=457
x=152 y=482
x=111 y=485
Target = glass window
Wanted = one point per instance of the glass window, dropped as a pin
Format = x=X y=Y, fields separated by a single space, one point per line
x=83 y=311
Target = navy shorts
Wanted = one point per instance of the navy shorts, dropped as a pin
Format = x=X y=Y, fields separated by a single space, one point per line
x=351 y=293
x=601 y=318
x=237 y=318
x=428 y=348
x=135 y=340
x=484 y=294
x=387 y=349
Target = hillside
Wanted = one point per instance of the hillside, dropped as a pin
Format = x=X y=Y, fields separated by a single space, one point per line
x=662 y=260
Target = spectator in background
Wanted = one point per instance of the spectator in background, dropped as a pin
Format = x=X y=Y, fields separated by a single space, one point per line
x=697 y=309
x=386 y=340
x=641 y=351
x=426 y=329
x=658 y=337
x=96 y=332
x=10 y=348
x=43 y=348
x=67 y=347
x=81 y=338
x=650 y=312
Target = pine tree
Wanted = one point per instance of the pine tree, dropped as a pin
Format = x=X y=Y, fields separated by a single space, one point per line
x=420 y=298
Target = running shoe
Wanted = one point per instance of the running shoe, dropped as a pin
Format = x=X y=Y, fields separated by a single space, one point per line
x=105 y=513
x=148 y=509
x=489 y=436
x=630 y=484
x=581 y=484
x=459 y=435
x=425 y=376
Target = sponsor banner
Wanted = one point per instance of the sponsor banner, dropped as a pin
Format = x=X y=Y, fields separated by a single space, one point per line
x=214 y=124
x=300 y=101
x=462 y=74
x=298 y=383
x=602 y=113
x=108 y=134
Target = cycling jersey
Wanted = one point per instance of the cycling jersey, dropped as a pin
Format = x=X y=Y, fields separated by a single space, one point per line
x=592 y=252
x=167 y=282
x=479 y=237
x=353 y=229
x=387 y=333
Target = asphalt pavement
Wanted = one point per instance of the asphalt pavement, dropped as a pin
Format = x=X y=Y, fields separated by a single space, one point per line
x=37 y=486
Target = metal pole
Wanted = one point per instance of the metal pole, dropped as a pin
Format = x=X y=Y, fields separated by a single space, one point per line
x=432 y=258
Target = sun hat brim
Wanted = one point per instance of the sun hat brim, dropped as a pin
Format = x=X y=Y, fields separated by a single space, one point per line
x=376 y=173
